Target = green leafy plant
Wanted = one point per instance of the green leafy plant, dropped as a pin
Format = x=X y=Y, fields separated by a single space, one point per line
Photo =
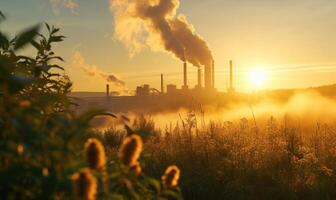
x=42 y=151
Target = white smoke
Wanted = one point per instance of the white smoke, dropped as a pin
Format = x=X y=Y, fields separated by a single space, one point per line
x=78 y=61
x=72 y=5
x=155 y=24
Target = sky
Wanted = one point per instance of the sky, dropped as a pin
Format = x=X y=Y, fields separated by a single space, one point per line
x=292 y=41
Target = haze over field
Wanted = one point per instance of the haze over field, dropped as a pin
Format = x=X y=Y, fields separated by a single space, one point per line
x=305 y=109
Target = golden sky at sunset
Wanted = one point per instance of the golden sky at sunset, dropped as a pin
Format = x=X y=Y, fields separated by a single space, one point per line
x=291 y=41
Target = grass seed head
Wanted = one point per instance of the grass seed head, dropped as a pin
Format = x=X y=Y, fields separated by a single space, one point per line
x=171 y=176
x=130 y=150
x=19 y=149
x=95 y=154
x=85 y=185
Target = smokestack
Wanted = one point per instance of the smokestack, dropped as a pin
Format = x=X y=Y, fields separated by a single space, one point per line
x=207 y=77
x=107 y=90
x=213 y=73
x=185 y=83
x=231 y=78
x=199 y=77
x=162 y=84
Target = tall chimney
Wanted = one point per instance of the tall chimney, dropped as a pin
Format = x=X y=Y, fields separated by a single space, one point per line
x=185 y=82
x=231 y=78
x=199 y=77
x=107 y=90
x=207 y=76
x=162 y=84
x=213 y=73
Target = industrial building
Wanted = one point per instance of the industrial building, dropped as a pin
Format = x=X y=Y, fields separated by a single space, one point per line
x=170 y=96
x=207 y=87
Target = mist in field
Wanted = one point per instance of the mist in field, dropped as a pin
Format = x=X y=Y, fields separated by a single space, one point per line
x=304 y=109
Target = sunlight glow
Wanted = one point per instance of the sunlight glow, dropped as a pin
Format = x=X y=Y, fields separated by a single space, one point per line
x=258 y=77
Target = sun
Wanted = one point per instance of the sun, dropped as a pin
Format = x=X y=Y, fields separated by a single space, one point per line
x=258 y=77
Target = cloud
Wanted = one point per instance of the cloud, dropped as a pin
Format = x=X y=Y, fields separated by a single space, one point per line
x=78 y=61
x=307 y=67
x=57 y=5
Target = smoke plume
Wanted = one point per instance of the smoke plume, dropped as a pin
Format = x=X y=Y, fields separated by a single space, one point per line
x=78 y=61
x=147 y=23
x=67 y=4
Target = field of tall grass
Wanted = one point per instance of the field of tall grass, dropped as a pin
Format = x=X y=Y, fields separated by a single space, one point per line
x=239 y=160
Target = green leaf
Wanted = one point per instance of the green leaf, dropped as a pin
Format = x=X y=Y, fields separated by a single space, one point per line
x=26 y=37
x=2 y=16
x=53 y=75
x=172 y=195
x=48 y=27
x=46 y=68
x=25 y=58
x=54 y=30
x=154 y=183
x=55 y=57
x=56 y=39
x=4 y=43
x=108 y=114
x=36 y=45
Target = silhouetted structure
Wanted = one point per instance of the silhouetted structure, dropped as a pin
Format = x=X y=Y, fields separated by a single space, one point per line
x=142 y=90
x=147 y=98
x=185 y=81
x=171 y=88
x=231 y=88
x=213 y=74
x=162 y=86
x=207 y=77
x=199 y=77
x=107 y=90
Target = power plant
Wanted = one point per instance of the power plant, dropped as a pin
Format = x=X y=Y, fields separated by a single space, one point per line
x=208 y=89
x=209 y=82
x=170 y=96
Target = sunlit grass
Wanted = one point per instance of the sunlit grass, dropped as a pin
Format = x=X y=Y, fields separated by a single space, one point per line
x=237 y=160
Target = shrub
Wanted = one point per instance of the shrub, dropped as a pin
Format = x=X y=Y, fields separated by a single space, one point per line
x=42 y=140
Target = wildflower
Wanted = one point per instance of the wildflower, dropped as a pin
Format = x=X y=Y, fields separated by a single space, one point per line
x=85 y=184
x=19 y=149
x=95 y=154
x=136 y=168
x=171 y=176
x=130 y=150
x=25 y=104
x=45 y=171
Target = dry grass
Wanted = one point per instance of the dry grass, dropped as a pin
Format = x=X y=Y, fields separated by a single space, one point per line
x=228 y=160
